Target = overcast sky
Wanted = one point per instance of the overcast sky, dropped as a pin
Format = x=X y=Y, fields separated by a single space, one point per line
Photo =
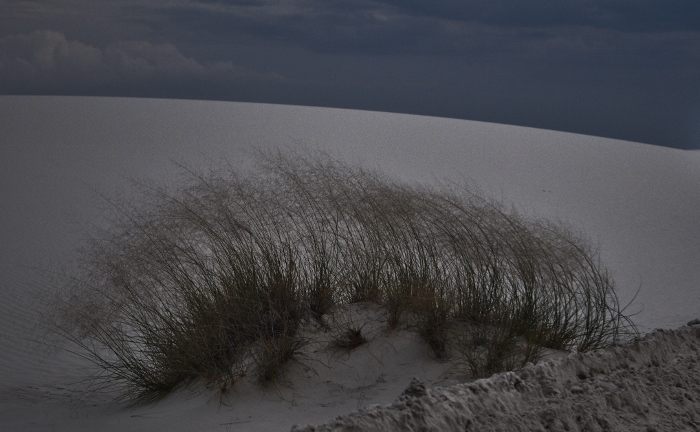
x=627 y=69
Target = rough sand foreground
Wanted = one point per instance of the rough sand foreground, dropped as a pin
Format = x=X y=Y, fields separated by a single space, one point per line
x=651 y=384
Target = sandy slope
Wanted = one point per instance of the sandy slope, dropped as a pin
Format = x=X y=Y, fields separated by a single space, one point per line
x=325 y=382
x=651 y=385
x=639 y=203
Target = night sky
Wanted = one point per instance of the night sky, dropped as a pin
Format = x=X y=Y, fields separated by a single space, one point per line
x=627 y=69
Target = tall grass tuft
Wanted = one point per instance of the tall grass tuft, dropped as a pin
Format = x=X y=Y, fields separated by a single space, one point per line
x=212 y=280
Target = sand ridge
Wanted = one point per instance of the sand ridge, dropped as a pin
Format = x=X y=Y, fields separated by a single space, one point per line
x=651 y=384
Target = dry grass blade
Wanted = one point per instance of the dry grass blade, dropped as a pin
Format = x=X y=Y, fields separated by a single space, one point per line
x=212 y=279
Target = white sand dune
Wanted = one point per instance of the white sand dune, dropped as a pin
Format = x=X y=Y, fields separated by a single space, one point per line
x=639 y=203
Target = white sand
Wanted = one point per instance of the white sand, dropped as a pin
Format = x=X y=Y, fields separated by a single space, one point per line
x=639 y=203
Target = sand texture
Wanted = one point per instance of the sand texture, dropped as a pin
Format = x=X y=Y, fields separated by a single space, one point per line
x=652 y=384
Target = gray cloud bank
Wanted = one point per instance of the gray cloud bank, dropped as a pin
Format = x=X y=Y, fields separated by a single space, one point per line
x=615 y=68
x=46 y=61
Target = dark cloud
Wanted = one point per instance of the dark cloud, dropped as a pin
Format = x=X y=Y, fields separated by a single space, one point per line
x=628 y=15
x=316 y=26
x=421 y=27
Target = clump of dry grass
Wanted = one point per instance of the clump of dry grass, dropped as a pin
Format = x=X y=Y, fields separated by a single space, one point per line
x=349 y=338
x=345 y=325
x=211 y=280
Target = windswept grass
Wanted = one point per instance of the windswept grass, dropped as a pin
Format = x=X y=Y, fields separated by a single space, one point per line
x=212 y=280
